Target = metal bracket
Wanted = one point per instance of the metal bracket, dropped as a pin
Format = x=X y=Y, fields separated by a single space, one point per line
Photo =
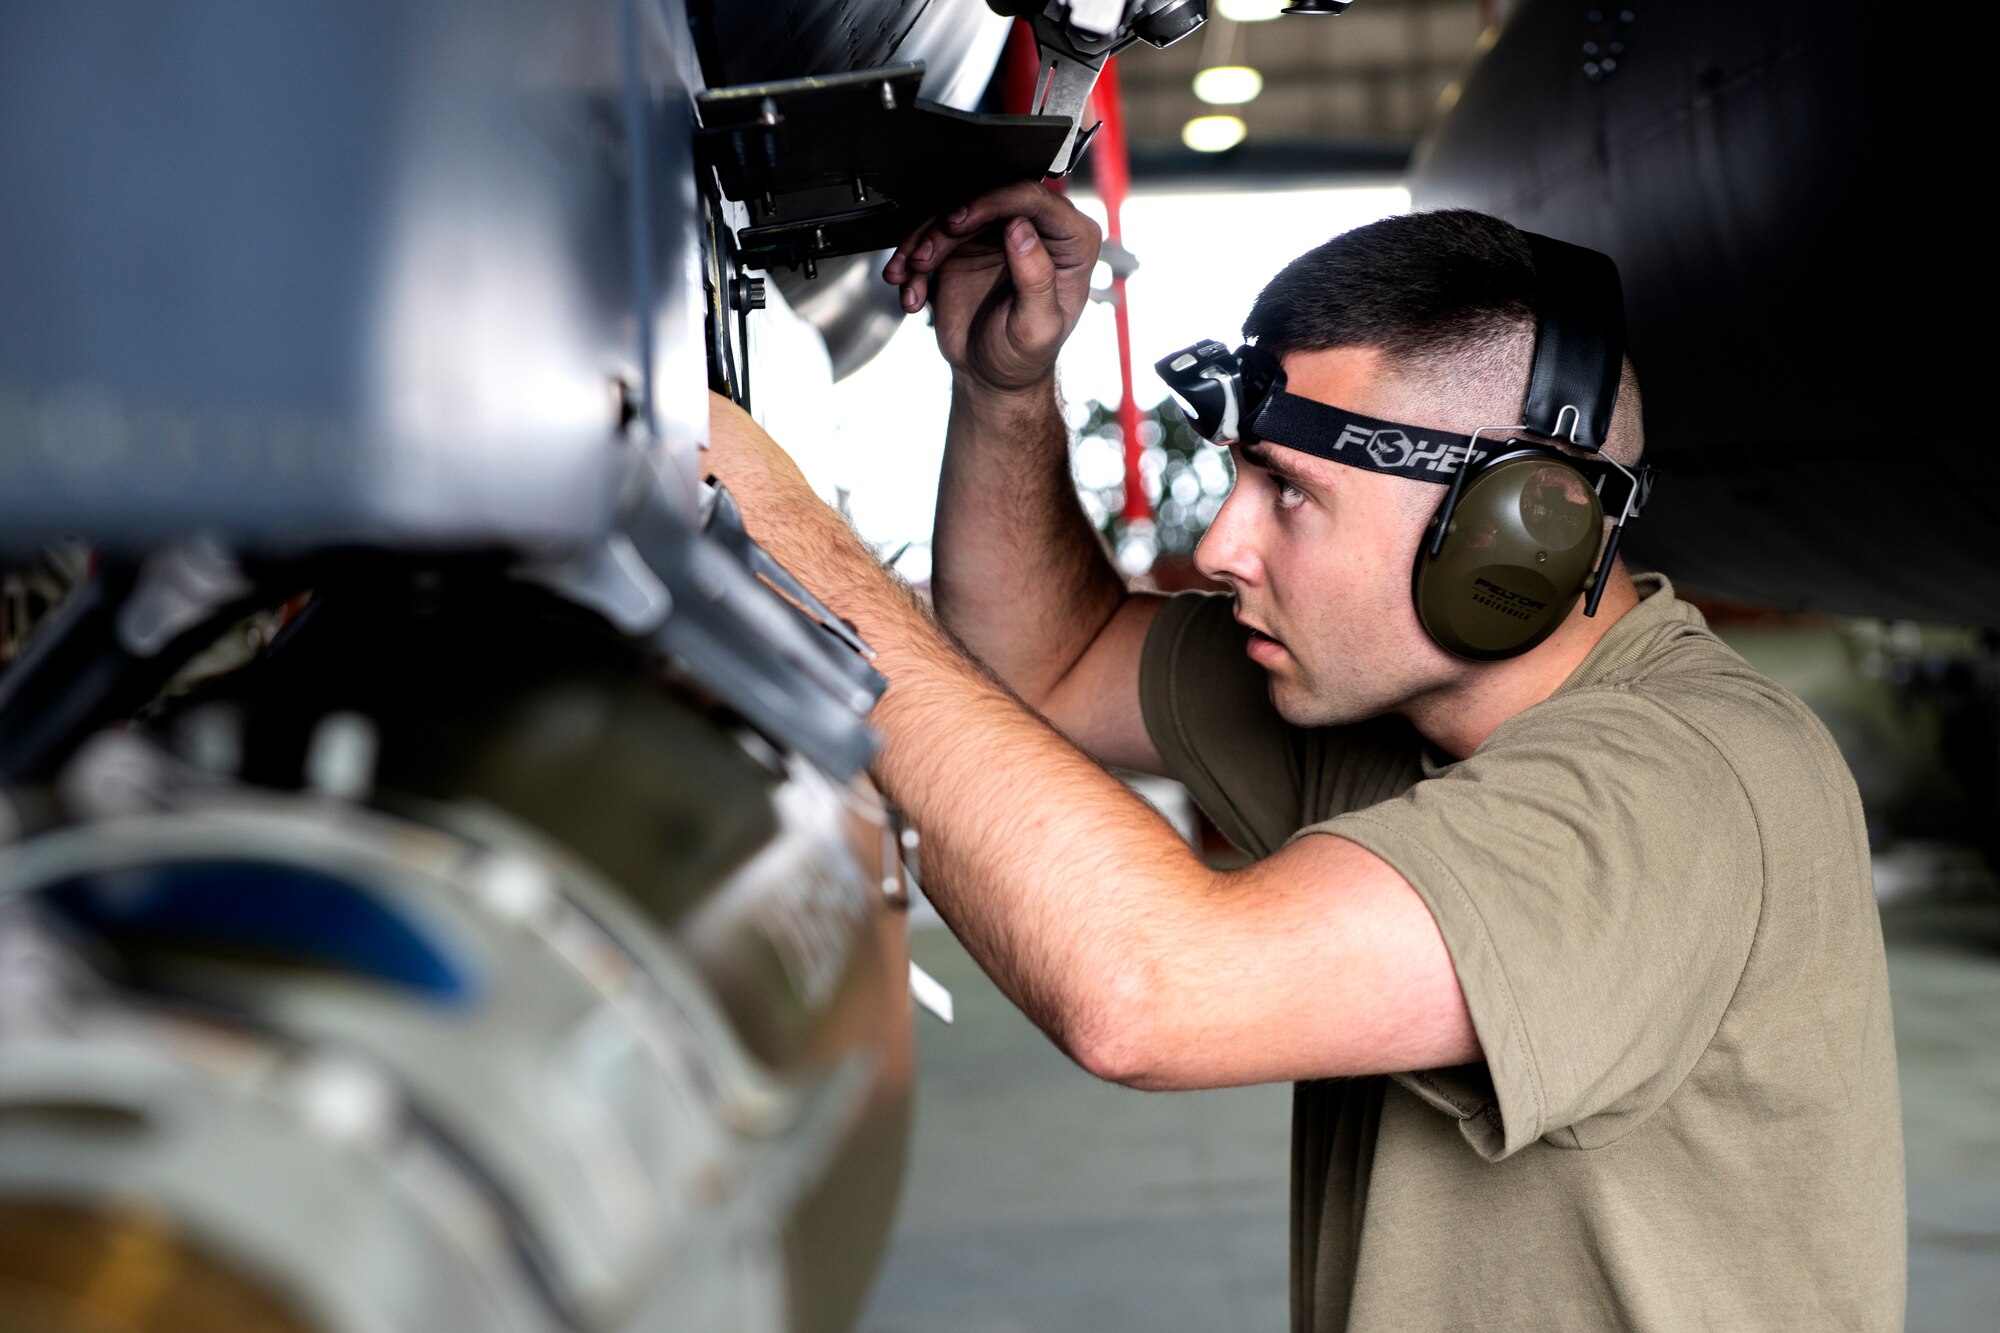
x=851 y=163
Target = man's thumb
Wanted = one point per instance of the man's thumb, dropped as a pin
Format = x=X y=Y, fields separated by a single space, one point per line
x=1034 y=277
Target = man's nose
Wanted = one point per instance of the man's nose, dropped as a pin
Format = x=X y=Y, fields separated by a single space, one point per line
x=1226 y=553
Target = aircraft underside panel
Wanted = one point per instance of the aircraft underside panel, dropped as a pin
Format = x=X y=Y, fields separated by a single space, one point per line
x=369 y=272
x=1781 y=185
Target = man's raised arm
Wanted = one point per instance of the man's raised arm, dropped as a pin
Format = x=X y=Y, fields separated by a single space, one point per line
x=1018 y=573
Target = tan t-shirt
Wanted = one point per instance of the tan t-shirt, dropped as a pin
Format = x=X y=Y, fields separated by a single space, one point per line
x=1654 y=887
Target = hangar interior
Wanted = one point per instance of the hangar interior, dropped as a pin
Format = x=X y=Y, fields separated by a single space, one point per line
x=574 y=993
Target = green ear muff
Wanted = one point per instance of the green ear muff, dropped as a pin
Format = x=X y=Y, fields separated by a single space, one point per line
x=1516 y=556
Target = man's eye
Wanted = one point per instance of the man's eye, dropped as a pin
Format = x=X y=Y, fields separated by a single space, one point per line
x=1290 y=496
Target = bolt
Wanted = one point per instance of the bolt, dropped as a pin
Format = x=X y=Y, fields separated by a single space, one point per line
x=767 y=113
x=340 y=757
x=626 y=403
x=514 y=888
x=888 y=95
x=211 y=738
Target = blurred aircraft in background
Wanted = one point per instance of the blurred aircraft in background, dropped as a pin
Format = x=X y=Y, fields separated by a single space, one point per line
x=1775 y=181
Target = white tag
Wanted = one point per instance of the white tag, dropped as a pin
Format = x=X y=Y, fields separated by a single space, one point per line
x=929 y=992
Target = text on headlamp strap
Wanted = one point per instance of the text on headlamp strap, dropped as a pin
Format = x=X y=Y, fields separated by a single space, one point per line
x=1341 y=436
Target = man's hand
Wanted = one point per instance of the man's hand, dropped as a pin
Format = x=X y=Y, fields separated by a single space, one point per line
x=1007 y=276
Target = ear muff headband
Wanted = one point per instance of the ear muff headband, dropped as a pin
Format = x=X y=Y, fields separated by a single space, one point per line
x=1579 y=343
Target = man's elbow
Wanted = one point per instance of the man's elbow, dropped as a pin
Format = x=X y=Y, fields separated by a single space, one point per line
x=1113 y=1030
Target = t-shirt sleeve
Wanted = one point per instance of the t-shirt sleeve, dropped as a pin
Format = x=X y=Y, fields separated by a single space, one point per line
x=1596 y=871
x=1208 y=710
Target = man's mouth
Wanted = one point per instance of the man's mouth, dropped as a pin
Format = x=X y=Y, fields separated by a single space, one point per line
x=1262 y=646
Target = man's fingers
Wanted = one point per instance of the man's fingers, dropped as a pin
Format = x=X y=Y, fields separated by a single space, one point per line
x=931 y=250
x=929 y=245
x=1068 y=235
x=897 y=270
x=1023 y=199
x=1038 y=236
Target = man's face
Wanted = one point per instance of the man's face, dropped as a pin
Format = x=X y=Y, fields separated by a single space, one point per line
x=1319 y=558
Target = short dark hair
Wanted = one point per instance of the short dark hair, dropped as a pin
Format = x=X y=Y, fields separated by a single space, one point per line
x=1420 y=286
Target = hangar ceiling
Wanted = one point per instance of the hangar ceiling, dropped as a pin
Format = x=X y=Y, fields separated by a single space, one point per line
x=1357 y=91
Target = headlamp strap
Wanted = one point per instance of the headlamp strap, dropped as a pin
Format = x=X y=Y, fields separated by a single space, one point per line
x=1333 y=433
x=1400 y=450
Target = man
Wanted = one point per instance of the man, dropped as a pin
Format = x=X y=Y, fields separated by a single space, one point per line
x=1572 y=956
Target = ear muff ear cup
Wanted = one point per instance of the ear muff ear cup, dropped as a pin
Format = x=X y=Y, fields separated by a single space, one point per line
x=1517 y=554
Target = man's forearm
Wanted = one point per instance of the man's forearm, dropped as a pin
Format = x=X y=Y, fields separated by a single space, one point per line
x=1018 y=573
x=1065 y=886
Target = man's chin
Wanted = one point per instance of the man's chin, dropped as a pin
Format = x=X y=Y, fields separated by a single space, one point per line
x=1295 y=706
x=1303 y=708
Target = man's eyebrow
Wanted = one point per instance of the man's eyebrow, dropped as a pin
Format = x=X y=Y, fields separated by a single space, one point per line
x=1258 y=453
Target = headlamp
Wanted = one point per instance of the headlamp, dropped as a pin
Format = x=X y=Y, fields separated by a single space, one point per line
x=1207 y=380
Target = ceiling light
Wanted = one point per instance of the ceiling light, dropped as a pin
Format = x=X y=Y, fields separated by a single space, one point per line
x=1251 y=11
x=1212 y=134
x=1228 y=85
